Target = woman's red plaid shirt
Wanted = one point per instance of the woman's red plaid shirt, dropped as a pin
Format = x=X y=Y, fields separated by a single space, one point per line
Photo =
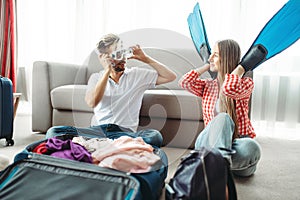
x=234 y=87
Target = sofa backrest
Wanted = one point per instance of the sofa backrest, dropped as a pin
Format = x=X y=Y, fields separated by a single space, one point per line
x=179 y=60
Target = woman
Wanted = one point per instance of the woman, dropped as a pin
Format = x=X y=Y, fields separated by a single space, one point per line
x=225 y=107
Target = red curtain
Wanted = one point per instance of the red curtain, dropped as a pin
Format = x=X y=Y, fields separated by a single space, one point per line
x=8 y=40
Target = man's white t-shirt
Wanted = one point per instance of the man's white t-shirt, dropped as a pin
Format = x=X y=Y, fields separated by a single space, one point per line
x=121 y=102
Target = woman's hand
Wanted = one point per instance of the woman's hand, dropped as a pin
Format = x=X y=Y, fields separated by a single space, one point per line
x=239 y=70
x=203 y=69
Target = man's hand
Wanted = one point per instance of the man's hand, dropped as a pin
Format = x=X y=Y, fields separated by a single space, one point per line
x=138 y=53
x=106 y=61
x=94 y=95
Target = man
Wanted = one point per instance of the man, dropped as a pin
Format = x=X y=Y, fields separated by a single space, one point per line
x=116 y=93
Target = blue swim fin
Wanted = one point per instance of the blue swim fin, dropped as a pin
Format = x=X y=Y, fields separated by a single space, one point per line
x=278 y=34
x=198 y=34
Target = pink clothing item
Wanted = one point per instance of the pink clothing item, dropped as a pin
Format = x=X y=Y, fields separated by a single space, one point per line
x=127 y=154
x=130 y=161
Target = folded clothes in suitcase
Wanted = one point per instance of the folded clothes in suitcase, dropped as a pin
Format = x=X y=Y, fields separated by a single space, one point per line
x=40 y=176
x=6 y=110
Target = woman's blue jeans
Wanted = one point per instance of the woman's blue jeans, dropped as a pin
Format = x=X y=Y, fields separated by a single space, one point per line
x=112 y=131
x=218 y=133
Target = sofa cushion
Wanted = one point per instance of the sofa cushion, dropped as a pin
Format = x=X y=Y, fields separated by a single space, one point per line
x=70 y=97
x=173 y=104
x=74 y=118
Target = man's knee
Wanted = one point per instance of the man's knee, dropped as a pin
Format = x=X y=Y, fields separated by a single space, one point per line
x=151 y=136
x=158 y=136
x=60 y=130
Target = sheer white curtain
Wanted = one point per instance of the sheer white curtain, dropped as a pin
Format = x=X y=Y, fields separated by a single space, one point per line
x=67 y=30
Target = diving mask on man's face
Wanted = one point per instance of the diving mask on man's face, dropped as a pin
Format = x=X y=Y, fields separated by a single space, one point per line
x=119 y=58
x=122 y=54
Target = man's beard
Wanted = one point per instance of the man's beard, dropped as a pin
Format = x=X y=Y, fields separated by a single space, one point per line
x=117 y=68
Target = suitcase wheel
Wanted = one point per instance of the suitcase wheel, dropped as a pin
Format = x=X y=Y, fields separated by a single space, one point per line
x=10 y=142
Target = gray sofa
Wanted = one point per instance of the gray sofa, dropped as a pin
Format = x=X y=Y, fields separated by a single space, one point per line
x=59 y=89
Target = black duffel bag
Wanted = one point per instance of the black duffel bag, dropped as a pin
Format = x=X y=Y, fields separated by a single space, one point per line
x=202 y=175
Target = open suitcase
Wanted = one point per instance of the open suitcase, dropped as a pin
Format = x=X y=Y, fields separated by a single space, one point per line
x=6 y=110
x=37 y=176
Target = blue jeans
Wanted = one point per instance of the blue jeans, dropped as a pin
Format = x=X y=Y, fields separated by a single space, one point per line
x=218 y=133
x=112 y=131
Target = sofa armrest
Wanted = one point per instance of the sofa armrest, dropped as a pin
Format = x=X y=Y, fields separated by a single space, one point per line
x=45 y=77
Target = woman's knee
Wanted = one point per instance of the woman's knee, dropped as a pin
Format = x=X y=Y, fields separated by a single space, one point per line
x=249 y=149
x=248 y=153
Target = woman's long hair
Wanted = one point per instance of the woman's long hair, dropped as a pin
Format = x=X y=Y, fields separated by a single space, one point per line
x=229 y=57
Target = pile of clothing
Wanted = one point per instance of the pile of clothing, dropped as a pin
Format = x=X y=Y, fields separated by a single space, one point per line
x=125 y=153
